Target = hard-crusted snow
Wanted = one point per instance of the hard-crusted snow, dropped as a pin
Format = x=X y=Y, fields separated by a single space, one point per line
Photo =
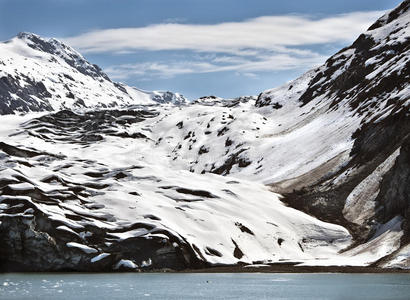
x=99 y=257
x=124 y=263
x=67 y=229
x=21 y=186
x=82 y=247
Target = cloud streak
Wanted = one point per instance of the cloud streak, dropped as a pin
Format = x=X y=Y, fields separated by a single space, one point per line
x=268 y=32
x=240 y=65
x=268 y=43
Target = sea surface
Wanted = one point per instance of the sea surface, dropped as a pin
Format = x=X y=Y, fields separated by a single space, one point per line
x=204 y=286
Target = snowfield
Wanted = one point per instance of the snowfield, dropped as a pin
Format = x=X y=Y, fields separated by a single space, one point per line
x=225 y=219
x=96 y=175
x=135 y=188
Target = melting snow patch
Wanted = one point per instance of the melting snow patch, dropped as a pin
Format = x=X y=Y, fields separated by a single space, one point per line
x=400 y=259
x=256 y=266
x=65 y=228
x=22 y=186
x=125 y=264
x=82 y=247
x=147 y=263
x=99 y=257
x=129 y=234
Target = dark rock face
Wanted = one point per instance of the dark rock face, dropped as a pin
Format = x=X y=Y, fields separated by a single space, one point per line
x=31 y=242
x=394 y=196
x=402 y=8
x=25 y=101
x=27 y=246
x=237 y=158
x=381 y=138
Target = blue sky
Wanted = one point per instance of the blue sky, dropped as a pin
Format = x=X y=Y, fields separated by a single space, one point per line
x=226 y=48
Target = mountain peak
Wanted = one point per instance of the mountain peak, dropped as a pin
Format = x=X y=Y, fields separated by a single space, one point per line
x=69 y=55
x=27 y=35
x=392 y=15
x=40 y=74
x=169 y=97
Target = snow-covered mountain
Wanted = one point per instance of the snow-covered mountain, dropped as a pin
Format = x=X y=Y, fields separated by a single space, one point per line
x=316 y=172
x=38 y=74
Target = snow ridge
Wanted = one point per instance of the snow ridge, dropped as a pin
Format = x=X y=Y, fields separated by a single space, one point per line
x=44 y=75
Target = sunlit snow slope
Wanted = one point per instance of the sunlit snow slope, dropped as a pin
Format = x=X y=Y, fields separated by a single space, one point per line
x=37 y=74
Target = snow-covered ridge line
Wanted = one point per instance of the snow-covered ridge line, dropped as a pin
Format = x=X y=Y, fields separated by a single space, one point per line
x=37 y=74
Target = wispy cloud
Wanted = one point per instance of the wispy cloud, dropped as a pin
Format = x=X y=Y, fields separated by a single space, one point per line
x=241 y=65
x=268 y=43
x=268 y=32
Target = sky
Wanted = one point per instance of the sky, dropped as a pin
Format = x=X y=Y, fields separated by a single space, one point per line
x=226 y=48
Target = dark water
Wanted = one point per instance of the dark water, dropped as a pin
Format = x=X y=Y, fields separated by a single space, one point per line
x=204 y=286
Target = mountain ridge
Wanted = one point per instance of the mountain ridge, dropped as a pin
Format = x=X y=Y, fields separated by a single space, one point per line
x=46 y=75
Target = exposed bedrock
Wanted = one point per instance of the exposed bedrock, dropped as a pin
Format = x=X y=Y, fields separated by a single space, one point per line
x=33 y=242
x=26 y=102
x=374 y=146
x=394 y=196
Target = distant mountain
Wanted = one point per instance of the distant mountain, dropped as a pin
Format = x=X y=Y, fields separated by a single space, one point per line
x=44 y=75
x=316 y=172
x=218 y=101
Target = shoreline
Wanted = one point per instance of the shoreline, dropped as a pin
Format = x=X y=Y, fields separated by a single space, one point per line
x=296 y=269
x=278 y=268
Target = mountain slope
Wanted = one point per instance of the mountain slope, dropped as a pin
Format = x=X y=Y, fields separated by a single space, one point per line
x=79 y=207
x=370 y=78
x=170 y=186
x=38 y=74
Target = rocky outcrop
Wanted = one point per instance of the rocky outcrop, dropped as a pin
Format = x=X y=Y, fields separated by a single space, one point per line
x=31 y=241
x=364 y=75
x=374 y=144
x=25 y=101
x=368 y=80
x=394 y=195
